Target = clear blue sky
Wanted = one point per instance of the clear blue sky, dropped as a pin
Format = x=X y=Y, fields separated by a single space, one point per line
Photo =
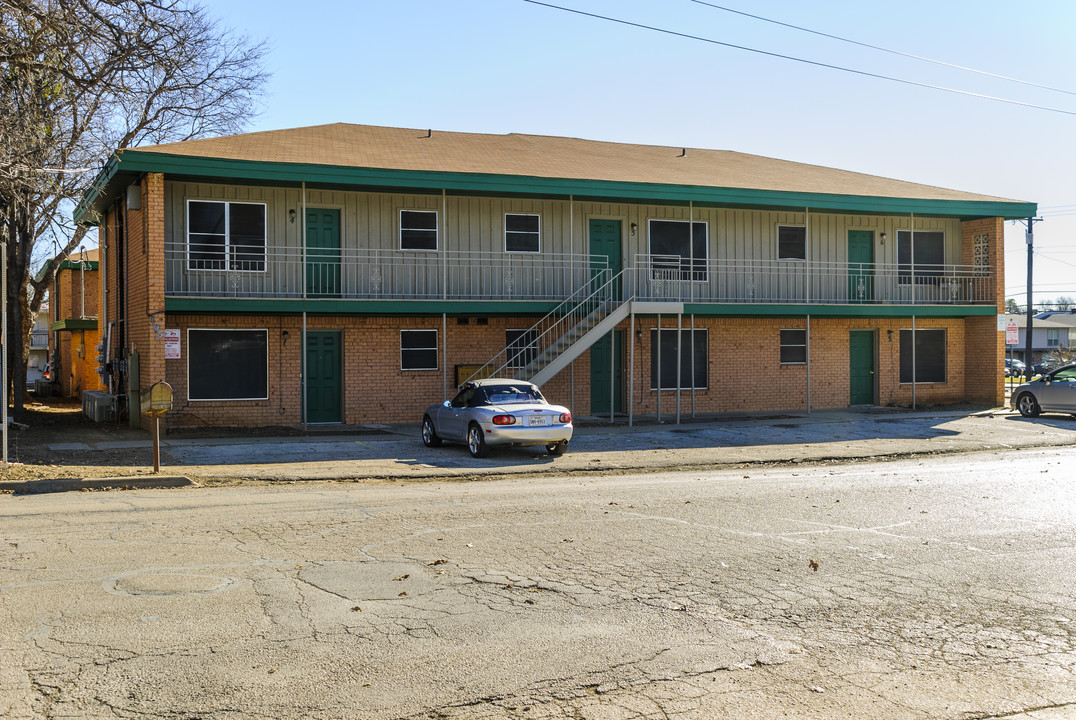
x=499 y=66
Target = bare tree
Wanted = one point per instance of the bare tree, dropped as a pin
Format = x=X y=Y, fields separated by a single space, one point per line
x=80 y=79
x=1065 y=303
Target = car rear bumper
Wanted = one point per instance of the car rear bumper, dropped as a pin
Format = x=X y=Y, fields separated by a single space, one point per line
x=516 y=435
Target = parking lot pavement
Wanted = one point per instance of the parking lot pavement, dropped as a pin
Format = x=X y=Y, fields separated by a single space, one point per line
x=386 y=453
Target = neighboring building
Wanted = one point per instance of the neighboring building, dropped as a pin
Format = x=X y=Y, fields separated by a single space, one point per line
x=74 y=298
x=38 y=358
x=404 y=260
x=1049 y=332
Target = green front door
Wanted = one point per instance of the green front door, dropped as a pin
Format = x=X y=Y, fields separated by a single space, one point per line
x=605 y=241
x=323 y=377
x=322 y=252
x=860 y=266
x=607 y=374
x=861 y=367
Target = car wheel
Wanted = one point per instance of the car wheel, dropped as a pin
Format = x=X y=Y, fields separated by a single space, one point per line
x=430 y=438
x=1028 y=405
x=557 y=448
x=476 y=442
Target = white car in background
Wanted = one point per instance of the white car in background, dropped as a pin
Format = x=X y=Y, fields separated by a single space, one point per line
x=498 y=412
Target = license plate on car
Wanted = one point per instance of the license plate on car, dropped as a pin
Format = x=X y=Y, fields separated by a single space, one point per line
x=539 y=420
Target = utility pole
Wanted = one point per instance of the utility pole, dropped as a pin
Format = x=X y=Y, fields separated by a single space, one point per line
x=1029 y=236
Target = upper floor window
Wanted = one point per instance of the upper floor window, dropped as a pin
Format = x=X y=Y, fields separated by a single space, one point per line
x=923 y=256
x=522 y=233
x=678 y=250
x=1053 y=337
x=225 y=236
x=791 y=242
x=418 y=229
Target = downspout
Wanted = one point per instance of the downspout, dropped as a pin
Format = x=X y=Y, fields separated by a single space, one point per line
x=570 y=289
x=807 y=254
x=302 y=342
x=679 y=361
x=444 y=352
x=808 y=364
x=442 y=234
x=657 y=348
x=631 y=372
x=914 y=301
x=102 y=241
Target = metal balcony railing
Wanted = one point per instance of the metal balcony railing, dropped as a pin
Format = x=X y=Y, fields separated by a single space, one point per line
x=250 y=272
x=677 y=279
x=39 y=340
x=288 y=273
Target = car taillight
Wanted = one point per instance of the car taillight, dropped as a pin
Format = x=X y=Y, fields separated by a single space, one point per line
x=504 y=419
x=565 y=417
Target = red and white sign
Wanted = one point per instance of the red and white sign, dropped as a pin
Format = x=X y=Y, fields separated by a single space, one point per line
x=1012 y=334
x=171 y=344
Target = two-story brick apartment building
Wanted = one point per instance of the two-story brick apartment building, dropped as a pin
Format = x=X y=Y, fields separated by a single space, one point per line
x=404 y=261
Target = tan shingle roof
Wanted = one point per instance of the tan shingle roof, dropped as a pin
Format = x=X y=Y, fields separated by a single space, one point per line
x=365 y=146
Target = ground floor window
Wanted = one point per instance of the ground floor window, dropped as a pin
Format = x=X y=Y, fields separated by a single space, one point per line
x=693 y=364
x=227 y=364
x=793 y=347
x=522 y=347
x=418 y=349
x=928 y=365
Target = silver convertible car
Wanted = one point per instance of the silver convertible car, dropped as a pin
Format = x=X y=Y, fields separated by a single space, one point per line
x=1053 y=392
x=498 y=412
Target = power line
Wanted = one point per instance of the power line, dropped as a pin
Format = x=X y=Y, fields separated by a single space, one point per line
x=886 y=50
x=853 y=71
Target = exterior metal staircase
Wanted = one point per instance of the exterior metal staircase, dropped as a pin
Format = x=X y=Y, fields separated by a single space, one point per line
x=564 y=334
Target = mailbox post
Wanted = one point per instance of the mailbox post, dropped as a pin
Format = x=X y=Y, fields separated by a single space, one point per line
x=156 y=400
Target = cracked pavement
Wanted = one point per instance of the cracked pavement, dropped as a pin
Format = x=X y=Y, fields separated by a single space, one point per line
x=924 y=588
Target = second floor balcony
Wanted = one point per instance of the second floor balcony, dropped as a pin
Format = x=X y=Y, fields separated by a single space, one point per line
x=350 y=274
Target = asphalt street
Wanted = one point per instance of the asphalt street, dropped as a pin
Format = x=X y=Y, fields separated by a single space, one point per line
x=936 y=586
x=396 y=453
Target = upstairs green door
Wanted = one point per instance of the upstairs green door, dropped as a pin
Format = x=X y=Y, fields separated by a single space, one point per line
x=860 y=266
x=861 y=367
x=323 y=377
x=605 y=241
x=322 y=252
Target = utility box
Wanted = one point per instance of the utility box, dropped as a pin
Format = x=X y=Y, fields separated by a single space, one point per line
x=156 y=400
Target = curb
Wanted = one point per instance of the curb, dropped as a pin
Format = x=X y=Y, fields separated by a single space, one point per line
x=140 y=482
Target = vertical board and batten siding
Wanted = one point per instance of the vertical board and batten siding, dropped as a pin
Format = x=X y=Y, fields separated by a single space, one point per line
x=472 y=228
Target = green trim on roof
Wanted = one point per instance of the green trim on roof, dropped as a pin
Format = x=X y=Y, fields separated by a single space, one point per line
x=74 y=324
x=78 y=265
x=849 y=311
x=254 y=306
x=139 y=161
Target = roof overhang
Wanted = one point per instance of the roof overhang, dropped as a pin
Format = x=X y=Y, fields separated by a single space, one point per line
x=127 y=167
x=74 y=324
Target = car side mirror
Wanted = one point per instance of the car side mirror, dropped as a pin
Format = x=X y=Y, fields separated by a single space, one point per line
x=447 y=403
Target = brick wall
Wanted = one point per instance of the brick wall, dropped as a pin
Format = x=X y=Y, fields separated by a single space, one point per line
x=77 y=348
x=985 y=354
x=744 y=367
x=145 y=284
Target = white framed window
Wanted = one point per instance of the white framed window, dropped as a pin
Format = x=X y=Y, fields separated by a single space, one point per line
x=522 y=347
x=694 y=363
x=227 y=364
x=418 y=349
x=678 y=250
x=226 y=236
x=1053 y=337
x=522 y=232
x=791 y=242
x=794 y=346
x=418 y=229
